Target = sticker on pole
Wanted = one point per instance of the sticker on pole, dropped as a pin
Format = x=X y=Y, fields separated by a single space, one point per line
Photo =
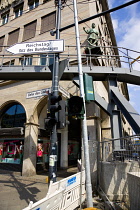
x=50 y=46
x=52 y=160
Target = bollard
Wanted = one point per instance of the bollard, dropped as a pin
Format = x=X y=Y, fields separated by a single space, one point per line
x=47 y=179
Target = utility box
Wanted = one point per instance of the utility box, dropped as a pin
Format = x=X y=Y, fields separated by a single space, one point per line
x=88 y=87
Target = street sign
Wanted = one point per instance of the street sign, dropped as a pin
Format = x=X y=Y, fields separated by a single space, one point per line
x=50 y=46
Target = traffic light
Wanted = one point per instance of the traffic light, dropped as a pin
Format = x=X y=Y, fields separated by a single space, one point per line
x=76 y=107
x=54 y=107
x=62 y=115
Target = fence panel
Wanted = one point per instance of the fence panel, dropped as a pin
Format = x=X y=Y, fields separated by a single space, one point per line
x=65 y=194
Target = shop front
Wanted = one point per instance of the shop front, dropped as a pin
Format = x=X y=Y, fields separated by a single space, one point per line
x=11 y=151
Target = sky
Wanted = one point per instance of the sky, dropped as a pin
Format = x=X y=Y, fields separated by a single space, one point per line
x=126 y=23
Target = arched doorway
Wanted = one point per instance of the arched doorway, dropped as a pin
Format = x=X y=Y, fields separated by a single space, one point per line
x=12 y=119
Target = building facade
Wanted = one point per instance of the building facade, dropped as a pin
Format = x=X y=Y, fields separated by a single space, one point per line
x=24 y=141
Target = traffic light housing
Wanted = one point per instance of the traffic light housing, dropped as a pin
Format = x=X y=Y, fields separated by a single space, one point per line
x=53 y=107
x=76 y=107
x=62 y=115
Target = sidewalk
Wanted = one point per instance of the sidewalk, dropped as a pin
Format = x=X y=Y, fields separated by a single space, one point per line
x=16 y=191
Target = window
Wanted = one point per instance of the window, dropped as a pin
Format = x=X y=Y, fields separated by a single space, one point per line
x=18 y=11
x=97 y=8
x=48 y=22
x=1 y=42
x=33 y=4
x=14 y=116
x=9 y=63
x=46 y=60
x=5 y=18
x=26 y=61
x=13 y=37
x=29 y=30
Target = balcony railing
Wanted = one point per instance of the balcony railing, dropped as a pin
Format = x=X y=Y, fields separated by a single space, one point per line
x=105 y=57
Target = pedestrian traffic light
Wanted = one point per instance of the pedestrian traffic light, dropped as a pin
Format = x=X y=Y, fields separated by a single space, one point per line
x=54 y=107
x=76 y=107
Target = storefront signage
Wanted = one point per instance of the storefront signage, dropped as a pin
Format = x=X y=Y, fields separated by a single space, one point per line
x=50 y=46
x=38 y=93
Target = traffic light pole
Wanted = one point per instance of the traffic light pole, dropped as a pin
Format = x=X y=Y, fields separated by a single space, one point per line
x=55 y=83
x=84 y=124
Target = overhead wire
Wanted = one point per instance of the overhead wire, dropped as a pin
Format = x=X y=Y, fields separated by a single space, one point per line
x=36 y=10
x=67 y=5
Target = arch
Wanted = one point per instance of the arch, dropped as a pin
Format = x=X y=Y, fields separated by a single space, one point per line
x=12 y=114
x=38 y=109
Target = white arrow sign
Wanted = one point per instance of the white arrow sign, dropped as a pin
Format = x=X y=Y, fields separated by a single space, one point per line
x=51 y=46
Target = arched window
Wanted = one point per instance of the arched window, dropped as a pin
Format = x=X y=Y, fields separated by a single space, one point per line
x=13 y=116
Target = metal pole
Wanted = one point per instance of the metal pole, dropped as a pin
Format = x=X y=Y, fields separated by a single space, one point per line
x=84 y=124
x=55 y=83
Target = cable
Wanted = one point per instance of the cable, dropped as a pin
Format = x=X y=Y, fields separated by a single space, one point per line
x=100 y=14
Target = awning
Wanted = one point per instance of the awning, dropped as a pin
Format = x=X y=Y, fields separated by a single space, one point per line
x=11 y=131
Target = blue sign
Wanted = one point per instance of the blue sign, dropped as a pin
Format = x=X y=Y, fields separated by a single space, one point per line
x=71 y=181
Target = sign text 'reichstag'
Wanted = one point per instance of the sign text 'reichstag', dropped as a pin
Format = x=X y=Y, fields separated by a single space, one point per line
x=51 y=46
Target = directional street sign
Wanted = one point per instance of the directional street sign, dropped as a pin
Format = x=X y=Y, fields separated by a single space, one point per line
x=50 y=46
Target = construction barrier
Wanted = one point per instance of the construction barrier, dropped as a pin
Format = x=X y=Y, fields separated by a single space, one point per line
x=66 y=194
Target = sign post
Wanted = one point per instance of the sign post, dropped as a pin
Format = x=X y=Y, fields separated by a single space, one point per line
x=50 y=46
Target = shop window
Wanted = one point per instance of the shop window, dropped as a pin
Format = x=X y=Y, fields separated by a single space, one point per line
x=14 y=116
x=26 y=61
x=46 y=60
x=1 y=42
x=33 y=4
x=48 y=22
x=5 y=18
x=11 y=151
x=9 y=63
x=29 y=30
x=43 y=150
x=13 y=37
x=18 y=11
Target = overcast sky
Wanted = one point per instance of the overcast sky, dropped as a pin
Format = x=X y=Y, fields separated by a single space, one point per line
x=126 y=24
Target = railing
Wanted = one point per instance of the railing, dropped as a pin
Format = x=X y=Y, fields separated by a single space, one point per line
x=123 y=149
x=99 y=56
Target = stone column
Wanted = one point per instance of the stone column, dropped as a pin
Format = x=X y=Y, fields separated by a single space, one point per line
x=25 y=6
x=30 y=145
x=64 y=149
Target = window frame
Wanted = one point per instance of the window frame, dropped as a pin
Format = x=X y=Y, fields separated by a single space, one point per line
x=19 y=10
x=5 y=18
x=42 y=29
x=32 y=4
x=25 y=34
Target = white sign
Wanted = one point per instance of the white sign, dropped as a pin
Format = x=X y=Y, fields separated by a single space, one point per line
x=44 y=92
x=51 y=46
x=38 y=93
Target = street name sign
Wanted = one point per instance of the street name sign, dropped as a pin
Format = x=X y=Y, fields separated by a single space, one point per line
x=50 y=46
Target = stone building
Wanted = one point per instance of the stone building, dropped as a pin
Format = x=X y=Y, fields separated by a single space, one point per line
x=23 y=103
